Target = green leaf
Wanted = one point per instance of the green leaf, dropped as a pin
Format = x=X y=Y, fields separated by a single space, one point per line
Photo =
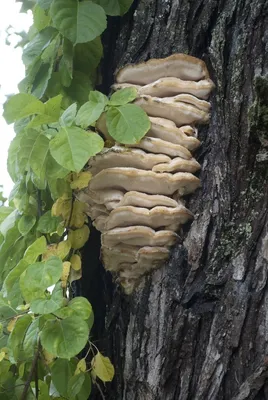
x=91 y=110
x=38 y=155
x=62 y=371
x=45 y=4
x=16 y=338
x=123 y=96
x=35 y=250
x=40 y=17
x=72 y=147
x=127 y=124
x=50 y=304
x=12 y=279
x=47 y=223
x=115 y=7
x=81 y=307
x=44 y=391
x=4 y=212
x=68 y=117
x=31 y=337
x=41 y=80
x=75 y=384
x=66 y=63
x=22 y=105
x=9 y=222
x=79 y=88
x=51 y=112
x=79 y=22
x=54 y=170
x=65 y=338
x=103 y=367
x=36 y=46
x=38 y=277
x=6 y=309
x=26 y=223
x=13 y=164
x=87 y=56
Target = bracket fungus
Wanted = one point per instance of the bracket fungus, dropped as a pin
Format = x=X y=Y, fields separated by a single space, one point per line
x=135 y=194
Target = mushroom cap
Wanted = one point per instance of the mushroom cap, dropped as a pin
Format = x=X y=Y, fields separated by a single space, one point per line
x=104 y=196
x=177 y=111
x=138 y=236
x=156 y=217
x=178 y=164
x=124 y=256
x=97 y=210
x=102 y=127
x=119 y=156
x=167 y=123
x=143 y=181
x=170 y=86
x=189 y=99
x=189 y=130
x=171 y=134
x=177 y=65
x=155 y=145
x=144 y=200
x=114 y=258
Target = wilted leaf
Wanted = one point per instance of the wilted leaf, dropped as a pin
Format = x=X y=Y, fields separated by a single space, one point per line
x=79 y=237
x=103 y=367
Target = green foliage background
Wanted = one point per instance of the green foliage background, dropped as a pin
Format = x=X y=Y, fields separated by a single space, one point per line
x=44 y=226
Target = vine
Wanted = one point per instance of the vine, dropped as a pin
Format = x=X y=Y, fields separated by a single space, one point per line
x=43 y=329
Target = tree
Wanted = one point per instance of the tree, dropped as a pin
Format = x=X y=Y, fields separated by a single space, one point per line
x=196 y=328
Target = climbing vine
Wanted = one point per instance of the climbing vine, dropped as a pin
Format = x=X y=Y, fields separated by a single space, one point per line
x=43 y=330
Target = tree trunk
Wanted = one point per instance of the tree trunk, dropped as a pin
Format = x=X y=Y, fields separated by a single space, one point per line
x=197 y=329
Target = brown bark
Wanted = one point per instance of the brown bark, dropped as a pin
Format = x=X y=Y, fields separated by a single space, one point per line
x=197 y=329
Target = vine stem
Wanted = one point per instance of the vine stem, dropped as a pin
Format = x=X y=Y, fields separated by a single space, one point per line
x=30 y=377
x=101 y=392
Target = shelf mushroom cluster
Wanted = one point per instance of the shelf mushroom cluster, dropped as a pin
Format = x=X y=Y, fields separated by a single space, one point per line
x=135 y=195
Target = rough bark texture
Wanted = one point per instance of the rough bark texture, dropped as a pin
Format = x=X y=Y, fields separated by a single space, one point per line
x=197 y=329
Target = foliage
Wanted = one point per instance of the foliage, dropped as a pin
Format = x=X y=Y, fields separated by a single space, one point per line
x=42 y=230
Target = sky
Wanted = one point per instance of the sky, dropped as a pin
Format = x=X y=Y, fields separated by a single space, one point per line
x=11 y=73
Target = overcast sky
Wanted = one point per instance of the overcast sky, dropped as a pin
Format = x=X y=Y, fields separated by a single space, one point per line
x=11 y=73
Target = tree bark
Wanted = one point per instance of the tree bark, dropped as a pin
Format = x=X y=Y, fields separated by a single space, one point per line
x=197 y=328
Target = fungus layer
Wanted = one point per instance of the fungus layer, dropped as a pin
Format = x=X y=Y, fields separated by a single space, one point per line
x=135 y=194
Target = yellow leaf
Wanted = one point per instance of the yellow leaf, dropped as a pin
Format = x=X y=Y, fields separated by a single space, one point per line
x=103 y=367
x=63 y=249
x=65 y=273
x=48 y=357
x=11 y=324
x=76 y=262
x=60 y=250
x=93 y=376
x=79 y=237
x=80 y=180
x=2 y=355
x=78 y=214
x=50 y=251
x=81 y=366
x=75 y=275
x=62 y=207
